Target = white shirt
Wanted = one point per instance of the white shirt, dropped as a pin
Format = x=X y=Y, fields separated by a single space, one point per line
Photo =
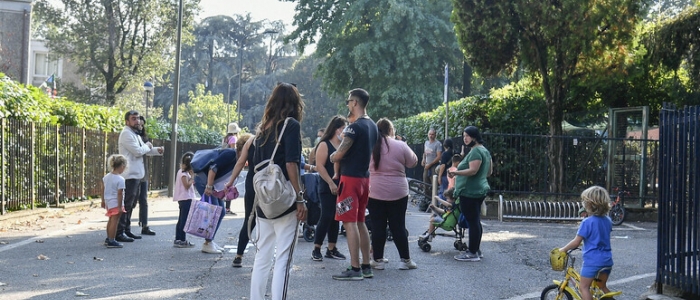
x=133 y=148
x=113 y=183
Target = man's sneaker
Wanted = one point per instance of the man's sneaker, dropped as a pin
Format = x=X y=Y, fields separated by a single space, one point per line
x=467 y=256
x=367 y=272
x=183 y=244
x=106 y=241
x=407 y=264
x=114 y=244
x=335 y=254
x=377 y=264
x=349 y=274
x=209 y=248
x=316 y=254
x=237 y=262
x=478 y=252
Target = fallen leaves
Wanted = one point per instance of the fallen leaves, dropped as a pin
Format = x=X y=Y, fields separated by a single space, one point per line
x=97 y=258
x=42 y=257
x=39 y=241
x=79 y=294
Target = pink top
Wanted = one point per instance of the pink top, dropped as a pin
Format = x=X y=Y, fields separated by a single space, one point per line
x=388 y=182
x=179 y=192
x=232 y=140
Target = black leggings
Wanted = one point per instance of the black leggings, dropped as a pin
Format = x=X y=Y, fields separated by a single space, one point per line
x=243 y=237
x=394 y=213
x=327 y=225
x=471 y=208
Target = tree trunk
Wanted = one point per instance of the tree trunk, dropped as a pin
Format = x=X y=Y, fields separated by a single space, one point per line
x=467 y=80
x=555 y=147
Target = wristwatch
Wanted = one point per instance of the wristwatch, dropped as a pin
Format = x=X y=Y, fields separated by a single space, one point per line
x=300 y=197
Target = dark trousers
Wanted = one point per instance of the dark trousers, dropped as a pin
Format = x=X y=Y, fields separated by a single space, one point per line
x=243 y=237
x=131 y=194
x=327 y=225
x=393 y=213
x=143 y=203
x=182 y=219
x=471 y=208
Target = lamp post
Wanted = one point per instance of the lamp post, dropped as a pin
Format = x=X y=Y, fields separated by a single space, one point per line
x=176 y=96
x=148 y=88
x=271 y=32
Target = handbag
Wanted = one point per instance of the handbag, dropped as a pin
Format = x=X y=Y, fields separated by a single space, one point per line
x=203 y=218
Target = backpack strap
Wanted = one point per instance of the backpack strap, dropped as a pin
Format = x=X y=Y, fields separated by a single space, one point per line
x=279 y=141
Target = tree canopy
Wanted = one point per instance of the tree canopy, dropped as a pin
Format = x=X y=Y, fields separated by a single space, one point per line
x=553 y=40
x=396 y=50
x=114 y=43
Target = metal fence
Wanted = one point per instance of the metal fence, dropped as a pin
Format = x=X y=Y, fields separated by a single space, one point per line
x=44 y=165
x=678 y=251
x=521 y=166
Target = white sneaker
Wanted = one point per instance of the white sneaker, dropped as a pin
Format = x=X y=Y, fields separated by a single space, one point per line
x=377 y=264
x=209 y=248
x=407 y=264
x=217 y=247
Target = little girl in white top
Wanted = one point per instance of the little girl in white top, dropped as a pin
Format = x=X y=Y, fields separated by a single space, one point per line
x=113 y=197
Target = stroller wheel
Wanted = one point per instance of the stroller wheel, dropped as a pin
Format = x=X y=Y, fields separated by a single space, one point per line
x=425 y=247
x=464 y=247
x=458 y=245
x=309 y=234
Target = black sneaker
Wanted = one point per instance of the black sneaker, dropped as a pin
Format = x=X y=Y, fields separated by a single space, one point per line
x=316 y=254
x=335 y=254
x=132 y=235
x=349 y=274
x=114 y=244
x=237 y=262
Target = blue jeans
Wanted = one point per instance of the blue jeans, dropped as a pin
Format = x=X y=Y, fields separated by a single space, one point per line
x=182 y=219
x=443 y=186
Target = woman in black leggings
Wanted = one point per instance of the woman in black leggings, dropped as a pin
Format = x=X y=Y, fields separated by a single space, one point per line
x=327 y=190
x=245 y=148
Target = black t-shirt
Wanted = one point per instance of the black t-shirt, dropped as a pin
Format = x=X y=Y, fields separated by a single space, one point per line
x=288 y=151
x=446 y=159
x=355 y=162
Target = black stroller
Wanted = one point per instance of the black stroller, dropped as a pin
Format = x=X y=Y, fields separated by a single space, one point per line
x=313 y=206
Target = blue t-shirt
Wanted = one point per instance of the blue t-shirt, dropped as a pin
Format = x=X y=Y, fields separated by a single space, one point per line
x=355 y=162
x=595 y=231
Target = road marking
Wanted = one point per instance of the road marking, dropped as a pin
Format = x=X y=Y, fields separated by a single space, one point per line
x=234 y=248
x=48 y=235
x=633 y=227
x=611 y=283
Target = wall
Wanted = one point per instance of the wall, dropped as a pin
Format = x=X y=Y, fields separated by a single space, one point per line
x=15 y=17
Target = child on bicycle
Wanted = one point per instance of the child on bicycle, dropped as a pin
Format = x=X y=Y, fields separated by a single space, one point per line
x=595 y=232
x=439 y=213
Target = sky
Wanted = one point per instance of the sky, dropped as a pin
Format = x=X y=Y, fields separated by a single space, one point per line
x=258 y=9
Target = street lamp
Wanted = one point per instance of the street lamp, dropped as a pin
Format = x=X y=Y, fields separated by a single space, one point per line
x=271 y=32
x=148 y=88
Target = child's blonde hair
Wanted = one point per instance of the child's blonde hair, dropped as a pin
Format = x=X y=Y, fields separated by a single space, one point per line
x=596 y=200
x=449 y=193
x=115 y=161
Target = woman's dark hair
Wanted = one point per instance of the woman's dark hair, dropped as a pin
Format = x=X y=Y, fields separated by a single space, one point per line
x=144 y=133
x=448 y=144
x=335 y=123
x=285 y=101
x=187 y=160
x=384 y=126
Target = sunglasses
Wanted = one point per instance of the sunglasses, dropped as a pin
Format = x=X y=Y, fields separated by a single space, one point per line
x=348 y=101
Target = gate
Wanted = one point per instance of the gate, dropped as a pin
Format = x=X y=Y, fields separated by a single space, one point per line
x=678 y=248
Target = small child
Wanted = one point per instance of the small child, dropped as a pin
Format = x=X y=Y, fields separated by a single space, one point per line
x=113 y=197
x=456 y=159
x=595 y=233
x=439 y=213
x=183 y=193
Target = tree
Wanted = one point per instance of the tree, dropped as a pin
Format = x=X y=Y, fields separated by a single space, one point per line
x=552 y=40
x=396 y=50
x=115 y=43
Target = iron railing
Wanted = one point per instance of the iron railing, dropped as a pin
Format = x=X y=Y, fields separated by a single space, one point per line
x=46 y=165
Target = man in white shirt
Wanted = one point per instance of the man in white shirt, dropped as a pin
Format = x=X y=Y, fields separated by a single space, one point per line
x=133 y=148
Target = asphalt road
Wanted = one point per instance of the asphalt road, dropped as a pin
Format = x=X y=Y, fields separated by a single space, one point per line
x=77 y=265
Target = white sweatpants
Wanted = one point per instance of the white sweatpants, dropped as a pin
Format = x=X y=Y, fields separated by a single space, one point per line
x=278 y=233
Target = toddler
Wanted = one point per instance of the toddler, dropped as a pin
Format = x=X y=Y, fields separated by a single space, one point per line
x=113 y=197
x=595 y=233
x=183 y=193
x=439 y=213
x=456 y=159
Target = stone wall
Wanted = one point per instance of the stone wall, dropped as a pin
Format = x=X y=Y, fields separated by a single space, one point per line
x=15 y=16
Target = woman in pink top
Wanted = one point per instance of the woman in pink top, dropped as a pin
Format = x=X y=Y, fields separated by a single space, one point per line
x=388 y=194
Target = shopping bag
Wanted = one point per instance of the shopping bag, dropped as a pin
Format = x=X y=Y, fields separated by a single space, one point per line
x=203 y=218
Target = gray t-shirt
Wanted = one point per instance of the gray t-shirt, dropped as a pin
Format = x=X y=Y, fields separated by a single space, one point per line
x=431 y=150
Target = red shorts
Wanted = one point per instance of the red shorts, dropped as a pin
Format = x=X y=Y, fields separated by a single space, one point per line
x=353 y=194
x=114 y=211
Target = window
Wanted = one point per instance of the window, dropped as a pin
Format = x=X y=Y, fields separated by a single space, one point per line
x=45 y=65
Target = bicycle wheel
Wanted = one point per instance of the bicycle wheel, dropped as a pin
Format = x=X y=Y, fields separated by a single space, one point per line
x=617 y=214
x=551 y=292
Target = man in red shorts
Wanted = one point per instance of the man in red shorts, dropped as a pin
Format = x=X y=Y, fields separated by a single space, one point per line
x=354 y=154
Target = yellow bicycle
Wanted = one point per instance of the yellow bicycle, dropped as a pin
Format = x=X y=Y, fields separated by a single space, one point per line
x=569 y=287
